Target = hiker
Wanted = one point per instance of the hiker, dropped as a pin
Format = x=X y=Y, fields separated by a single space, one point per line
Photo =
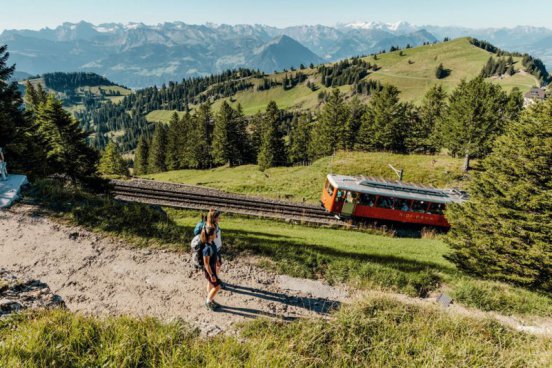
x=3 y=170
x=210 y=259
x=212 y=220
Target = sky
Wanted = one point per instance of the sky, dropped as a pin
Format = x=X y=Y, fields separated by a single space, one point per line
x=36 y=14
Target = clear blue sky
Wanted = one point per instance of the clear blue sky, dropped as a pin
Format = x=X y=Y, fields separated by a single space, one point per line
x=35 y=14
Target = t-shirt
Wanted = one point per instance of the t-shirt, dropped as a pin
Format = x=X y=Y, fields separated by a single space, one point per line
x=210 y=250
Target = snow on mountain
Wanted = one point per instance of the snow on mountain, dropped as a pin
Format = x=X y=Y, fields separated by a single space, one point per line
x=397 y=27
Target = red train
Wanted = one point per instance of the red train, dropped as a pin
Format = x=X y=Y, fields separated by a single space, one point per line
x=376 y=199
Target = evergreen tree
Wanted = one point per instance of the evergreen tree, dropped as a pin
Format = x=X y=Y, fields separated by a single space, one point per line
x=22 y=145
x=503 y=231
x=440 y=72
x=111 y=161
x=423 y=134
x=356 y=110
x=65 y=142
x=272 y=151
x=242 y=139
x=514 y=106
x=329 y=130
x=256 y=130
x=157 y=150
x=384 y=125
x=474 y=119
x=141 y=157
x=299 y=139
x=174 y=132
x=227 y=146
x=201 y=136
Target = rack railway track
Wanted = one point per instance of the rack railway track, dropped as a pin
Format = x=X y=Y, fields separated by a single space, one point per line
x=200 y=198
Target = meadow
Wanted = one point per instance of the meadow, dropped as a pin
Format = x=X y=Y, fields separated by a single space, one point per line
x=304 y=183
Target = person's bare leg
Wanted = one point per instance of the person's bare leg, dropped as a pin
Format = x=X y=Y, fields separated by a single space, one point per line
x=213 y=293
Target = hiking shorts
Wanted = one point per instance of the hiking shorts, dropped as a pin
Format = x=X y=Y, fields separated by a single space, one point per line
x=216 y=283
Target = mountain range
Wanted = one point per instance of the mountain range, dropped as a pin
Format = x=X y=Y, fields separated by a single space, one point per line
x=140 y=55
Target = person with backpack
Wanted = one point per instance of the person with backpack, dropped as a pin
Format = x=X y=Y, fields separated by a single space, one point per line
x=210 y=260
x=212 y=220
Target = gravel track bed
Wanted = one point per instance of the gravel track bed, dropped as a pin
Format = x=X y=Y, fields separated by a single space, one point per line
x=230 y=209
x=217 y=201
x=186 y=188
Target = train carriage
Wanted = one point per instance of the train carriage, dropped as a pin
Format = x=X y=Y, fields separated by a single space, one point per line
x=375 y=199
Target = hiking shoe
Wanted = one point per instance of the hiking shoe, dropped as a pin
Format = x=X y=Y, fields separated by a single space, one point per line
x=215 y=304
x=212 y=305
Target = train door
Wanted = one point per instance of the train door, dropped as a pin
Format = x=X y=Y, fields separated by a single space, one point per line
x=349 y=204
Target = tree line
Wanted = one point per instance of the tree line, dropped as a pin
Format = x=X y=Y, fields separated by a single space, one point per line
x=129 y=114
x=70 y=81
x=466 y=123
x=40 y=138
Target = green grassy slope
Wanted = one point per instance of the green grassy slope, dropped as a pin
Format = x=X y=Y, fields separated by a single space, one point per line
x=163 y=116
x=377 y=332
x=109 y=93
x=305 y=182
x=413 y=73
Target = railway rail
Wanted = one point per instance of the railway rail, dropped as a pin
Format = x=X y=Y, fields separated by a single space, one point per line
x=200 y=198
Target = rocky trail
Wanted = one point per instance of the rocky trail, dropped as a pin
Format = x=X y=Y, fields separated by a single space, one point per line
x=98 y=275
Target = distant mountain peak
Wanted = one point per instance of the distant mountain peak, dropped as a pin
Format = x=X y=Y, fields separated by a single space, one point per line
x=283 y=52
x=396 y=27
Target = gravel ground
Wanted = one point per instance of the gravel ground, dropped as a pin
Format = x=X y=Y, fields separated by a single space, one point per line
x=102 y=276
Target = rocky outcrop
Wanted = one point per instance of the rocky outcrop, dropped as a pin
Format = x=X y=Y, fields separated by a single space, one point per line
x=18 y=293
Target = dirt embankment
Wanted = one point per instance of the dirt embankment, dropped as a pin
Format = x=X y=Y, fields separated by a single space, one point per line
x=101 y=276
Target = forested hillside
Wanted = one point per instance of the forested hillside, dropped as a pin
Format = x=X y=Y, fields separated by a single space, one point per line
x=413 y=71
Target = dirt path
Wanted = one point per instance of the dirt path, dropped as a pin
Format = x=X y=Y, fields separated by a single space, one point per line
x=101 y=276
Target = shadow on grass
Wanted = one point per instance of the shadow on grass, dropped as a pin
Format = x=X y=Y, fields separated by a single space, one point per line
x=283 y=246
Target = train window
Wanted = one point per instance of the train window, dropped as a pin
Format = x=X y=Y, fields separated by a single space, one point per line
x=352 y=197
x=419 y=206
x=402 y=204
x=340 y=197
x=367 y=200
x=385 y=202
x=436 y=208
x=330 y=189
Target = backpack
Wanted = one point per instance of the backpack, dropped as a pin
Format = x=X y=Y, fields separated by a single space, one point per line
x=199 y=227
x=197 y=251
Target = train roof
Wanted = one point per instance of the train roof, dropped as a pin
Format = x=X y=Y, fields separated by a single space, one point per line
x=396 y=189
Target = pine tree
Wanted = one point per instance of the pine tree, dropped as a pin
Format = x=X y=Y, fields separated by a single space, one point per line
x=201 y=135
x=440 y=72
x=384 y=125
x=423 y=134
x=157 y=150
x=474 y=119
x=256 y=129
x=242 y=139
x=141 y=157
x=299 y=139
x=514 y=106
x=22 y=145
x=111 y=161
x=503 y=231
x=328 y=131
x=227 y=147
x=184 y=143
x=272 y=150
x=174 y=132
x=356 y=110
x=65 y=142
